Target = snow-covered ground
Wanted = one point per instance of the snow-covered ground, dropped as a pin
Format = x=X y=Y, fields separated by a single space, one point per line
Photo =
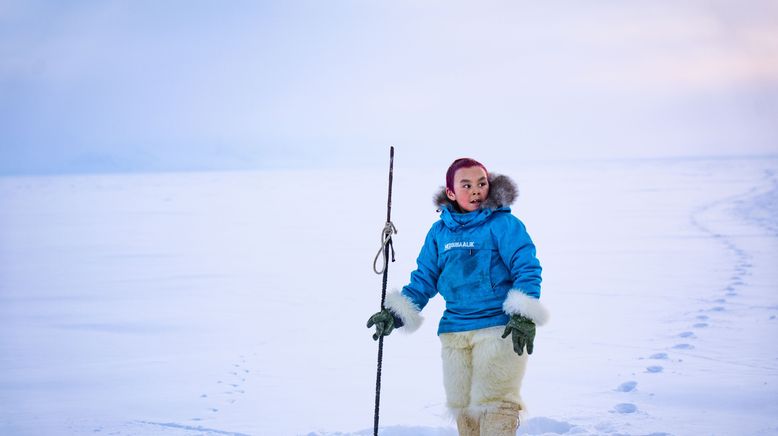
x=235 y=303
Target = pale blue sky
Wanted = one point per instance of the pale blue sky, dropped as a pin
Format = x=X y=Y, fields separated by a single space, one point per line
x=174 y=85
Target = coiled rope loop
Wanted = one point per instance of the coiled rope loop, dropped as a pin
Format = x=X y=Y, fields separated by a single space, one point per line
x=386 y=239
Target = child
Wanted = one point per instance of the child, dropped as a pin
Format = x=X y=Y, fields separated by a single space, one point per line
x=479 y=257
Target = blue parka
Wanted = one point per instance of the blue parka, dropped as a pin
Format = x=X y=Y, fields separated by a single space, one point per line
x=473 y=260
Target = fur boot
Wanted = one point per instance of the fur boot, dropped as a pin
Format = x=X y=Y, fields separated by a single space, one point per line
x=467 y=425
x=501 y=421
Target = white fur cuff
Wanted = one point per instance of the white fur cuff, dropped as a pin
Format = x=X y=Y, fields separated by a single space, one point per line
x=519 y=303
x=405 y=310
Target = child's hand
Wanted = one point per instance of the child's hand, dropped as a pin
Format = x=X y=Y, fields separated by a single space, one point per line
x=523 y=333
x=384 y=323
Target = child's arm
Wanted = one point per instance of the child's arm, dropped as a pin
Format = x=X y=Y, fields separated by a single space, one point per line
x=518 y=252
x=407 y=305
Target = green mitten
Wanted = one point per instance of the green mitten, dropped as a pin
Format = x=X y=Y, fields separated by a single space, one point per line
x=522 y=331
x=384 y=323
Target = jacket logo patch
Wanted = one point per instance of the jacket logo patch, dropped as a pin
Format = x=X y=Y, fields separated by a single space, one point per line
x=451 y=245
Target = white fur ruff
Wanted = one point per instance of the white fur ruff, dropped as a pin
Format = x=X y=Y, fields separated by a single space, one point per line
x=519 y=303
x=404 y=308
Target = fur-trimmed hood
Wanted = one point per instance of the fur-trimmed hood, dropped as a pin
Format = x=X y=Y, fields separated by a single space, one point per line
x=502 y=192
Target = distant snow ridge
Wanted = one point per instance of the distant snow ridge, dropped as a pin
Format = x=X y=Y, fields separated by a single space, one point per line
x=542 y=426
x=398 y=430
x=533 y=426
x=198 y=429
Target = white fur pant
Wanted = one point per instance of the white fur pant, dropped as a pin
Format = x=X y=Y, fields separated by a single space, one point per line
x=480 y=370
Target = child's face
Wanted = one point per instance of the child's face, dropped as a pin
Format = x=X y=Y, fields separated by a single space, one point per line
x=470 y=188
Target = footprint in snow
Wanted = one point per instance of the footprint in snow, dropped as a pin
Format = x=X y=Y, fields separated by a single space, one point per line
x=625 y=408
x=654 y=369
x=627 y=386
x=720 y=301
x=686 y=334
x=683 y=346
x=700 y=325
x=658 y=356
x=717 y=309
x=227 y=397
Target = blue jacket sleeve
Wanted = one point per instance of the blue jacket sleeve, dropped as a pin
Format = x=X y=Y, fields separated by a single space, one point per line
x=518 y=252
x=424 y=280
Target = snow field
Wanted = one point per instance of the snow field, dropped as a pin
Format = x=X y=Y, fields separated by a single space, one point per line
x=235 y=303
